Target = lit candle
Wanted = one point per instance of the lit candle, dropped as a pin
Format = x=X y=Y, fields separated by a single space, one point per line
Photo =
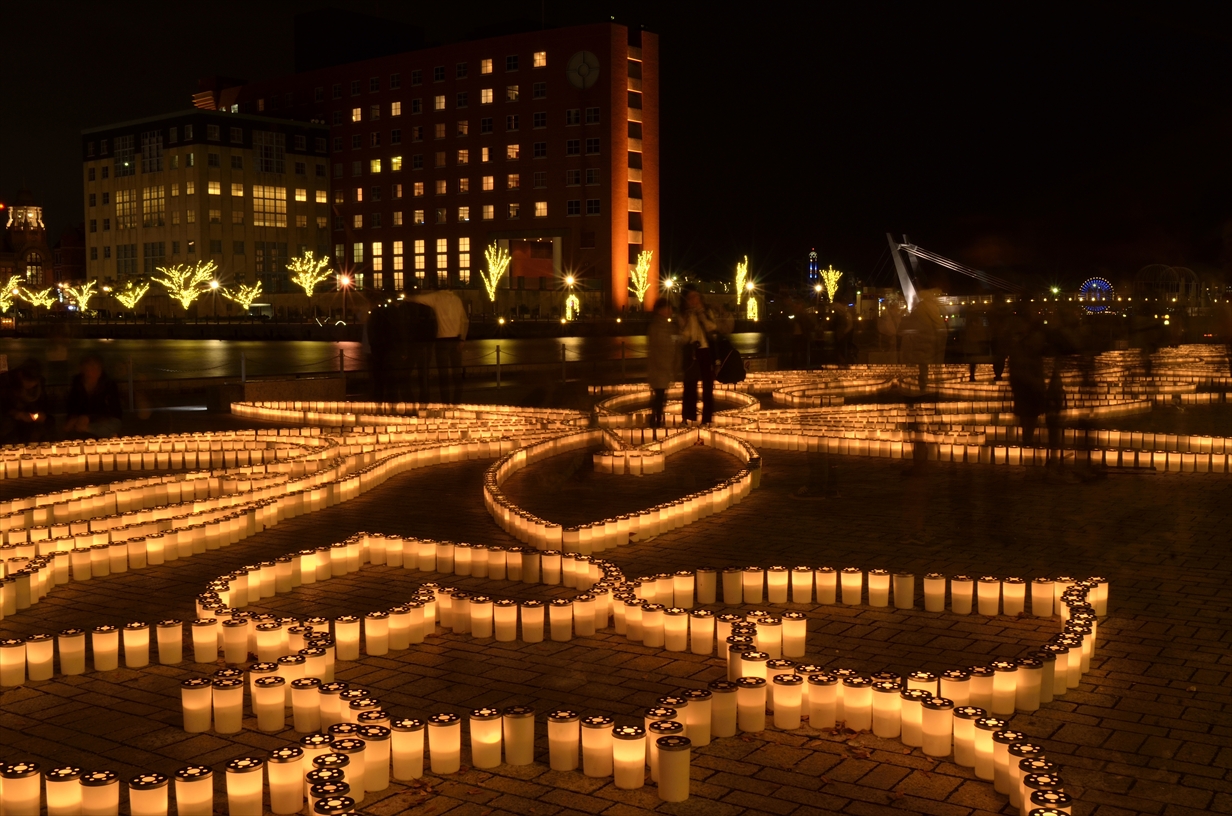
x=147 y=795
x=286 y=785
x=305 y=706
x=407 y=748
x=485 y=728
x=100 y=793
x=505 y=619
x=655 y=730
x=1045 y=796
x=1025 y=758
x=934 y=592
x=1099 y=598
x=751 y=704
x=1027 y=689
x=1001 y=741
x=964 y=734
x=923 y=680
x=753 y=584
x=376 y=756
x=196 y=696
x=228 y=697
x=244 y=786
x=40 y=652
x=376 y=633
x=887 y=709
x=205 y=633
x=1042 y=597
x=597 y=746
x=1004 y=689
x=912 y=713
x=1048 y=664
x=989 y=595
x=985 y=728
x=532 y=621
x=707 y=585
x=63 y=788
x=938 y=725
x=733 y=580
x=563 y=735
x=356 y=750
x=683 y=585
x=674 y=760
x=105 y=641
x=697 y=706
x=701 y=631
x=170 y=635
x=823 y=699
x=560 y=617
x=518 y=723
x=852 y=580
x=20 y=788
x=675 y=629
x=268 y=702
x=982 y=684
x=72 y=646
x=878 y=588
x=858 y=702
x=629 y=756
x=801 y=585
x=723 y=708
x=962 y=588
x=234 y=640
x=346 y=636
x=1014 y=595
x=787 y=694
x=777 y=581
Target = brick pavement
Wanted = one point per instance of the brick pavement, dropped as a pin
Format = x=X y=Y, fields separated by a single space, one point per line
x=1147 y=732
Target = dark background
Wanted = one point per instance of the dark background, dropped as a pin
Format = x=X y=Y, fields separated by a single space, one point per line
x=1043 y=142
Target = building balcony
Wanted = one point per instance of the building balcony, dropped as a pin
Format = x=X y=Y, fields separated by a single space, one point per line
x=635 y=84
x=635 y=205
x=635 y=52
x=635 y=114
x=635 y=145
x=635 y=174
x=635 y=237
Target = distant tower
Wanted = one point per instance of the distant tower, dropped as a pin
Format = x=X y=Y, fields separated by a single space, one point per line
x=25 y=241
x=814 y=273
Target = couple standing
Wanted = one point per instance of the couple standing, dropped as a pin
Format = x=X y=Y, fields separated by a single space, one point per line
x=698 y=330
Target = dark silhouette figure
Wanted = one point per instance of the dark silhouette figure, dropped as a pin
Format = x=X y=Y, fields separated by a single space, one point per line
x=661 y=358
x=1027 y=376
x=25 y=406
x=698 y=330
x=93 y=404
x=1053 y=410
x=384 y=352
x=417 y=332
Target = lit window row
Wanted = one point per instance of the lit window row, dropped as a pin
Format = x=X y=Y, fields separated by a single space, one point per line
x=461 y=70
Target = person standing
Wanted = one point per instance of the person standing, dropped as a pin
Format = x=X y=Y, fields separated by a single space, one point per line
x=661 y=359
x=417 y=334
x=93 y=404
x=697 y=330
x=451 y=326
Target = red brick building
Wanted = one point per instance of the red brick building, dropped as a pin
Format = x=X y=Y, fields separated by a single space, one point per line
x=546 y=143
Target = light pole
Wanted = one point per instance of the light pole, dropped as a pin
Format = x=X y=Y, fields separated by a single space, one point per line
x=344 y=283
x=214 y=299
x=818 y=288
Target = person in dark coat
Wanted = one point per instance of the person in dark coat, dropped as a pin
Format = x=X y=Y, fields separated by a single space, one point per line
x=23 y=399
x=661 y=358
x=93 y=405
x=1027 y=383
x=417 y=333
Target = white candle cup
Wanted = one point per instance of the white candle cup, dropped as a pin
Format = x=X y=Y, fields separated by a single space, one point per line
x=445 y=743
x=858 y=702
x=485 y=733
x=100 y=793
x=962 y=588
x=377 y=756
x=228 y=698
x=675 y=629
x=778 y=581
x=376 y=633
x=656 y=730
x=698 y=714
x=751 y=704
x=1029 y=682
x=550 y=567
x=305 y=705
x=564 y=733
x=136 y=645
x=234 y=640
x=560 y=616
x=683 y=587
x=1004 y=688
x=674 y=760
x=823 y=700
x=1014 y=596
x=964 y=734
x=407 y=748
x=196 y=700
x=904 y=590
x=205 y=634
x=733 y=586
x=63 y=791
x=147 y=794
x=878 y=588
x=1099 y=597
x=1048 y=663
x=505 y=619
x=923 y=680
x=1001 y=741
x=769 y=637
x=826 y=580
x=723 y=708
x=629 y=756
x=356 y=750
x=938 y=724
x=597 y=746
x=912 y=713
x=887 y=709
x=985 y=765
x=244 y=786
x=105 y=643
x=1043 y=795
x=701 y=632
x=1042 y=597
x=531 y=613
x=518 y=733
x=1023 y=757
x=346 y=636
x=801 y=585
x=40 y=653
x=934 y=592
x=707 y=585
x=71 y=644
x=21 y=788
x=852 y=582
x=787 y=690
x=285 y=769
x=752 y=584
x=170 y=636
x=480 y=609
x=988 y=593
x=269 y=703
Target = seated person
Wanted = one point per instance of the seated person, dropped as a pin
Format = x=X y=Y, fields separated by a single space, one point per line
x=24 y=406
x=94 y=408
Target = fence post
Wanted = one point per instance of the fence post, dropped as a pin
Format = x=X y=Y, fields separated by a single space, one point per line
x=243 y=369
x=562 y=362
x=622 y=360
x=498 y=368
x=132 y=402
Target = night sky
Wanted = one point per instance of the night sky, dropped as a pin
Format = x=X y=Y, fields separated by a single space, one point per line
x=1047 y=143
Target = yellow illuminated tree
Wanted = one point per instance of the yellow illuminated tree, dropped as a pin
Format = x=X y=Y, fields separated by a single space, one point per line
x=572 y=307
x=80 y=296
x=498 y=262
x=308 y=271
x=830 y=277
x=742 y=276
x=244 y=296
x=10 y=291
x=44 y=298
x=750 y=309
x=185 y=283
x=132 y=295
x=639 y=278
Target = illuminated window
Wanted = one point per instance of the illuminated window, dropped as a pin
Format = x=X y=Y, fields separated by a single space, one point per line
x=464 y=214
x=438 y=102
x=374 y=166
x=489 y=212
x=322 y=222
x=464 y=156
x=359 y=193
x=269 y=206
x=440 y=215
x=512 y=152
x=153 y=206
x=213 y=187
x=540 y=59
x=485 y=66
x=301 y=221
x=485 y=96
x=513 y=211
x=418 y=218
x=356 y=114
x=573 y=116
x=322 y=197
x=441 y=187
x=463 y=128
x=377 y=256
x=511 y=93
x=301 y=194
x=397 y=218
x=395 y=108
x=488 y=183
x=395 y=164
x=190 y=217
x=357 y=253
x=190 y=187
x=513 y=182
x=419 y=258
x=396 y=251
x=541 y=209
x=442 y=253
x=438 y=130
x=215 y=216
x=464 y=185
x=357 y=221
x=485 y=154
x=417 y=189
x=339 y=196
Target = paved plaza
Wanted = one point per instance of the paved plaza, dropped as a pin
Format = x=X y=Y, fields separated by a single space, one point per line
x=1148 y=730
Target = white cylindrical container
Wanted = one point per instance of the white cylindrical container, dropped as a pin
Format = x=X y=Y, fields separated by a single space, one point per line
x=982 y=681
x=445 y=743
x=519 y=734
x=934 y=592
x=1042 y=596
x=105 y=642
x=269 y=703
x=100 y=793
x=964 y=734
x=532 y=621
x=723 y=708
x=985 y=728
x=676 y=629
x=196 y=700
x=701 y=632
x=904 y=590
x=485 y=732
x=938 y=724
x=377 y=756
x=597 y=745
x=629 y=756
x=778 y=580
x=63 y=789
x=560 y=617
x=40 y=657
x=564 y=732
x=802 y=585
x=913 y=716
x=305 y=704
x=788 y=690
x=194 y=791
x=752 y=583
x=245 y=786
x=887 y=709
x=1004 y=688
x=205 y=634
x=481 y=613
x=956 y=685
x=376 y=633
x=1001 y=741
x=878 y=587
x=72 y=646
x=21 y=788
x=170 y=635
x=962 y=588
x=858 y=702
x=505 y=619
x=228 y=696
x=407 y=748
x=733 y=581
x=1014 y=596
x=346 y=637
x=674 y=760
x=751 y=704
x=285 y=768
x=988 y=592
x=707 y=585
x=852 y=580
x=823 y=700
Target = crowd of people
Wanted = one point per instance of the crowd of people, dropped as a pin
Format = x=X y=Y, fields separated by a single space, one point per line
x=406 y=339
x=92 y=408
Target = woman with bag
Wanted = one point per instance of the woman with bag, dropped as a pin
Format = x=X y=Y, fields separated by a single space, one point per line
x=699 y=331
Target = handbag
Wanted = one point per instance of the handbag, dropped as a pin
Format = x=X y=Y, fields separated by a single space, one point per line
x=730 y=363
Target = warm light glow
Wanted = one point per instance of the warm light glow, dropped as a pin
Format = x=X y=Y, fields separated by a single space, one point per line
x=131 y=295
x=186 y=283
x=214 y=284
x=572 y=307
x=751 y=311
x=245 y=295
x=569 y=280
x=80 y=296
x=44 y=298
x=498 y=262
x=6 y=296
x=830 y=277
x=344 y=281
x=639 y=278
x=742 y=275
x=308 y=271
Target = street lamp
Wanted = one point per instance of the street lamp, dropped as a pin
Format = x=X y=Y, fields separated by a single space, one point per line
x=817 y=289
x=344 y=283
x=214 y=299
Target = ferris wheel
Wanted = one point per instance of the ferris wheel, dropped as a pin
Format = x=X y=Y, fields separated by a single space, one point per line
x=1097 y=295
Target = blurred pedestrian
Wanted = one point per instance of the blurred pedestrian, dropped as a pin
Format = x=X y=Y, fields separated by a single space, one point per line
x=1054 y=410
x=93 y=405
x=975 y=340
x=417 y=332
x=23 y=397
x=661 y=358
x=381 y=335
x=451 y=326
x=698 y=328
x=1027 y=377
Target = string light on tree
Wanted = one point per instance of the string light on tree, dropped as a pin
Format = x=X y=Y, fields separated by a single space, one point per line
x=80 y=296
x=309 y=271
x=132 y=295
x=830 y=277
x=751 y=310
x=10 y=291
x=572 y=307
x=639 y=278
x=36 y=299
x=498 y=259
x=742 y=277
x=185 y=283
x=244 y=296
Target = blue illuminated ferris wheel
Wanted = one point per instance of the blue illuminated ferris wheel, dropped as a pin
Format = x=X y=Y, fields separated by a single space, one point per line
x=1096 y=294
